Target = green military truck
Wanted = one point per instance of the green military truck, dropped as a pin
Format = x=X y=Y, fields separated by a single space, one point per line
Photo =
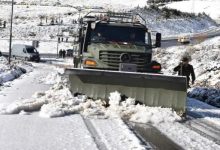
x=115 y=54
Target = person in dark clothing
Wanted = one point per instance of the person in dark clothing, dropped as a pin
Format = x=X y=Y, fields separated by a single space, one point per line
x=60 y=53
x=4 y=24
x=64 y=53
x=185 y=69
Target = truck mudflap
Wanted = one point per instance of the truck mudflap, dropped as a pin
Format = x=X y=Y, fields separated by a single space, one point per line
x=151 y=89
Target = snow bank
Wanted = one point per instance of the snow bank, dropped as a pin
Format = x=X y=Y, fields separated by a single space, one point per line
x=208 y=95
x=58 y=101
x=139 y=113
x=15 y=70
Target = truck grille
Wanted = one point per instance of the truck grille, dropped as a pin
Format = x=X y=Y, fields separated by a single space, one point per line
x=112 y=59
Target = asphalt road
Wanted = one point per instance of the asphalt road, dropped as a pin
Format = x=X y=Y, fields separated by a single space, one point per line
x=194 y=38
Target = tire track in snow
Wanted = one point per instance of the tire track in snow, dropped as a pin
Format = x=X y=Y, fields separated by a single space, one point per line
x=97 y=139
x=149 y=135
x=203 y=128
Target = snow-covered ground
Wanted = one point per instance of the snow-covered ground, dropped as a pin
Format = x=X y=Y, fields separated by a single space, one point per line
x=175 y=25
x=210 y=7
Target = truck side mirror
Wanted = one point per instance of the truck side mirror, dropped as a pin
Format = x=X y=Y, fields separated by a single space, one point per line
x=24 y=50
x=158 y=40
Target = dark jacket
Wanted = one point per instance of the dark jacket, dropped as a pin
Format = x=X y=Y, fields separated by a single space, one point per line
x=186 y=70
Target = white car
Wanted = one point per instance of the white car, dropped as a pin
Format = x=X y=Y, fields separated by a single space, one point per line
x=184 y=39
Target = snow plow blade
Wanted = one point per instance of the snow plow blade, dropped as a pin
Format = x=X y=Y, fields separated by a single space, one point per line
x=150 y=89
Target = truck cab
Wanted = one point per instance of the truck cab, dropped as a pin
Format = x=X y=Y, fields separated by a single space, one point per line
x=111 y=44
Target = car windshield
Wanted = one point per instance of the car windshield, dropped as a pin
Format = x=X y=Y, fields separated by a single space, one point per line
x=31 y=50
x=107 y=33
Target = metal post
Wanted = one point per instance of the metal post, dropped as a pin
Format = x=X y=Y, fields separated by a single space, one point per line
x=58 y=36
x=57 y=47
x=10 y=40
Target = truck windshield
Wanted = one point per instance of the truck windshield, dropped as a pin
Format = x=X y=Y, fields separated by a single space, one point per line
x=31 y=50
x=107 y=33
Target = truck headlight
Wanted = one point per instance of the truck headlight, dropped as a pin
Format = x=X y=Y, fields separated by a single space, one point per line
x=90 y=62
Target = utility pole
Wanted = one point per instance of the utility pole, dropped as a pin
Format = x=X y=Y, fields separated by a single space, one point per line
x=10 y=40
x=58 y=46
x=58 y=38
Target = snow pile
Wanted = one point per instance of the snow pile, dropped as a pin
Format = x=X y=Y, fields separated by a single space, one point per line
x=139 y=113
x=52 y=78
x=15 y=70
x=58 y=102
x=207 y=95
